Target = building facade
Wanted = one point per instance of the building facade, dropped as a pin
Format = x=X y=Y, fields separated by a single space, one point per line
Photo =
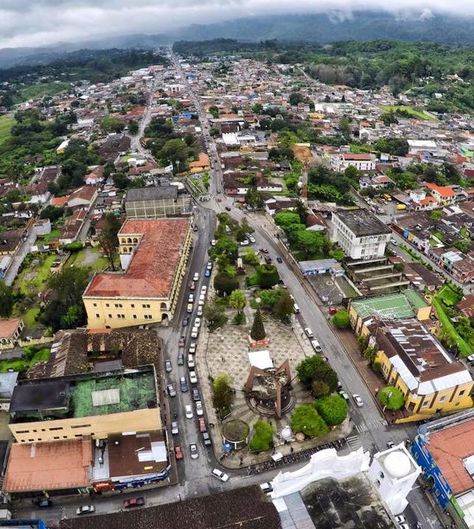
x=360 y=233
x=153 y=254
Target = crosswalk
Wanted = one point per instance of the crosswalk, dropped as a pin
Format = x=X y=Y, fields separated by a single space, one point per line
x=370 y=425
x=354 y=442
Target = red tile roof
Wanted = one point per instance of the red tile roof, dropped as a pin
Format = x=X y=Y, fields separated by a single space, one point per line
x=9 y=327
x=153 y=265
x=444 y=191
x=449 y=448
x=357 y=156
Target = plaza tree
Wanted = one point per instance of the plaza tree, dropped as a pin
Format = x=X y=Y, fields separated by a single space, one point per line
x=222 y=394
x=332 y=409
x=237 y=300
x=257 y=332
x=306 y=419
x=341 y=319
x=262 y=438
x=214 y=315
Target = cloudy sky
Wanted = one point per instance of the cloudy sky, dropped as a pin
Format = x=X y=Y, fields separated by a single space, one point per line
x=43 y=22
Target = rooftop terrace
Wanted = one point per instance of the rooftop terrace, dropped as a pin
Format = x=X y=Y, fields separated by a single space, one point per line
x=402 y=305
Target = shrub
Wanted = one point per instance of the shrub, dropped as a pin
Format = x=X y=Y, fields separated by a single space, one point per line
x=341 y=319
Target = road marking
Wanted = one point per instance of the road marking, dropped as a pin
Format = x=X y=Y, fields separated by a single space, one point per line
x=353 y=442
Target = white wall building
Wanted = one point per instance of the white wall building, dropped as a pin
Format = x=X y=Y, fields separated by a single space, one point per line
x=360 y=233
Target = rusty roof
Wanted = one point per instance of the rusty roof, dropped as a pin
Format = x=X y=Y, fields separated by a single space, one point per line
x=153 y=265
x=49 y=466
x=450 y=447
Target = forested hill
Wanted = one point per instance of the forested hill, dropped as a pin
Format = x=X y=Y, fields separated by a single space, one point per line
x=325 y=28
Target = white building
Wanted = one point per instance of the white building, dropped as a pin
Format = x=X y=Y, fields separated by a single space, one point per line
x=360 y=233
x=363 y=161
x=394 y=472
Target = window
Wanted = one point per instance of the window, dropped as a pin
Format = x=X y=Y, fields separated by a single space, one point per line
x=462 y=392
x=107 y=305
x=118 y=305
x=81 y=426
x=97 y=315
x=146 y=306
x=134 y=316
x=132 y=305
x=23 y=431
x=56 y=437
x=55 y=428
x=30 y=440
x=443 y=398
x=94 y=304
x=110 y=315
x=425 y=404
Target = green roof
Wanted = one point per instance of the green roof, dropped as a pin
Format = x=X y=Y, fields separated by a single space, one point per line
x=113 y=394
x=402 y=305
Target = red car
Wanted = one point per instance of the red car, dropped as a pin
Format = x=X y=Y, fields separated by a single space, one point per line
x=181 y=341
x=202 y=425
x=178 y=453
x=134 y=502
x=332 y=310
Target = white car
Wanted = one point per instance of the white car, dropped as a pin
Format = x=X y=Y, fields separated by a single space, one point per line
x=199 y=408
x=192 y=348
x=191 y=362
x=193 y=377
x=245 y=242
x=197 y=322
x=200 y=311
x=400 y=519
x=196 y=276
x=195 y=332
x=252 y=239
x=209 y=265
x=203 y=289
x=188 y=410
x=213 y=242
x=308 y=332
x=85 y=509
x=191 y=298
x=220 y=475
x=344 y=395
x=316 y=346
x=357 y=399
x=174 y=428
x=266 y=487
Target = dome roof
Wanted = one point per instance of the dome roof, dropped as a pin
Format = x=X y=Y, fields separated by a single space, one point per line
x=398 y=464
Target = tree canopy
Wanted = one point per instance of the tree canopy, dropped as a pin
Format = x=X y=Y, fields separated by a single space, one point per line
x=332 y=408
x=306 y=419
x=391 y=398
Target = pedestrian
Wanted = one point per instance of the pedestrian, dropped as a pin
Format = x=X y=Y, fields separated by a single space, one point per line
x=292 y=450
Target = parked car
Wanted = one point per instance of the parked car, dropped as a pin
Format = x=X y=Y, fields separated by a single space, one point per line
x=196 y=276
x=206 y=438
x=316 y=345
x=192 y=285
x=178 y=453
x=202 y=424
x=195 y=332
x=207 y=273
x=168 y=366
x=279 y=259
x=193 y=377
x=470 y=359
x=185 y=321
x=344 y=395
x=174 y=428
x=194 y=450
x=182 y=341
x=199 y=408
x=180 y=359
x=42 y=503
x=203 y=289
x=191 y=298
x=183 y=385
x=189 y=308
x=266 y=487
x=252 y=239
x=227 y=208
x=332 y=310
x=358 y=400
x=296 y=308
x=209 y=265
x=85 y=509
x=195 y=394
x=191 y=362
x=213 y=242
x=171 y=391
x=192 y=348
x=220 y=475
x=197 y=322
x=188 y=411
x=134 y=502
x=308 y=332
x=245 y=242
x=200 y=311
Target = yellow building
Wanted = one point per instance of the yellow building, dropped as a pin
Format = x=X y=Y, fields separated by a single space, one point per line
x=153 y=253
x=95 y=405
x=414 y=361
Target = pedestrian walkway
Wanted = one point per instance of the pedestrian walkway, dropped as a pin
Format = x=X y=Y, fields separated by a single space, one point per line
x=354 y=442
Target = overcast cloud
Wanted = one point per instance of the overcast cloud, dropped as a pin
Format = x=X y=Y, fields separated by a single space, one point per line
x=43 y=22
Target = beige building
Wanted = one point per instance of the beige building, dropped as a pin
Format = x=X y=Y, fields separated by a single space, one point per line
x=95 y=405
x=153 y=254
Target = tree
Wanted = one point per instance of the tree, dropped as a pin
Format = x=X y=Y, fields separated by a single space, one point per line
x=284 y=307
x=121 y=180
x=284 y=219
x=267 y=275
x=254 y=198
x=7 y=299
x=345 y=127
x=108 y=239
x=112 y=124
x=257 y=332
x=133 y=127
x=224 y=284
x=319 y=389
x=341 y=319
x=436 y=215
x=214 y=111
x=257 y=108
x=237 y=300
x=225 y=248
x=306 y=419
x=222 y=394
x=250 y=257
x=311 y=242
x=391 y=398
x=262 y=438
x=52 y=213
x=215 y=316
x=333 y=409
x=315 y=368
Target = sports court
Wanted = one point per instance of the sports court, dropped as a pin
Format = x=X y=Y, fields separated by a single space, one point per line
x=401 y=305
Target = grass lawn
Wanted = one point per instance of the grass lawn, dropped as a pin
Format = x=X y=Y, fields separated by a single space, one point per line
x=24 y=364
x=449 y=296
x=6 y=124
x=50 y=236
x=41 y=273
x=89 y=257
x=43 y=89
x=463 y=346
x=419 y=114
x=29 y=317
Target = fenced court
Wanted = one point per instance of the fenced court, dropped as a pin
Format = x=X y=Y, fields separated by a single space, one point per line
x=390 y=306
